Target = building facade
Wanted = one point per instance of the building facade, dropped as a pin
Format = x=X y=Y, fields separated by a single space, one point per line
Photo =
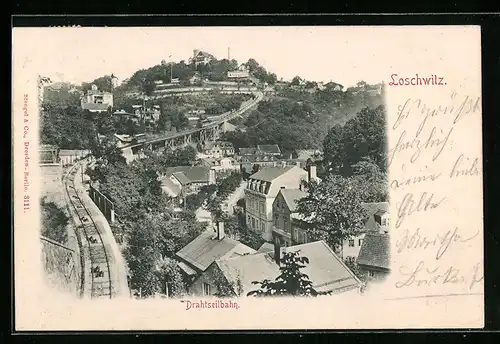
x=260 y=192
x=97 y=101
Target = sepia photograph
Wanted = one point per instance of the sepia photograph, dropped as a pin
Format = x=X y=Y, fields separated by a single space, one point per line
x=217 y=167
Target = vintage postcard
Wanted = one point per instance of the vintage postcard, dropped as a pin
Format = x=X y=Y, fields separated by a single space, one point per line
x=209 y=178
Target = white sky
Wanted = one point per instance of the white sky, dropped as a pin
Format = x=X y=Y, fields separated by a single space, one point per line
x=341 y=54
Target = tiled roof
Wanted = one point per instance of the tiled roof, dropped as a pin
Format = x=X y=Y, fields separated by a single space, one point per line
x=305 y=154
x=269 y=149
x=195 y=174
x=291 y=197
x=170 y=187
x=374 y=251
x=325 y=269
x=268 y=174
x=266 y=247
x=205 y=249
x=247 y=151
x=371 y=209
x=181 y=177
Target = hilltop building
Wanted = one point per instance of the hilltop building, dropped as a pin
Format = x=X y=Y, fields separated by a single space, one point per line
x=200 y=57
x=97 y=101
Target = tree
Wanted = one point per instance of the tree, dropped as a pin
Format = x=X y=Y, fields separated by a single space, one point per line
x=170 y=276
x=332 y=210
x=333 y=146
x=103 y=83
x=371 y=181
x=54 y=221
x=296 y=81
x=290 y=282
x=224 y=287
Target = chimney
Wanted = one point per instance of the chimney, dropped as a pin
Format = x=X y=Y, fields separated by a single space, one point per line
x=311 y=173
x=282 y=187
x=277 y=252
x=220 y=230
x=211 y=176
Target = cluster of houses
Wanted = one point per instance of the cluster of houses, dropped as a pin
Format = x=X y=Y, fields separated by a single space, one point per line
x=222 y=156
x=271 y=197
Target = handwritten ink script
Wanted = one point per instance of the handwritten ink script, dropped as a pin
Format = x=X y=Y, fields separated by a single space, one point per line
x=437 y=173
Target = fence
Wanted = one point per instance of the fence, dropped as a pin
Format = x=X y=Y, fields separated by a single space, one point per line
x=68 y=157
x=103 y=203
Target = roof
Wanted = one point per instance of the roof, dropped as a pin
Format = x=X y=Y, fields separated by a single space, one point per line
x=70 y=152
x=266 y=247
x=269 y=173
x=95 y=106
x=269 y=149
x=305 y=154
x=371 y=210
x=204 y=250
x=325 y=269
x=374 y=251
x=184 y=267
x=170 y=187
x=291 y=197
x=181 y=177
x=193 y=174
x=247 y=151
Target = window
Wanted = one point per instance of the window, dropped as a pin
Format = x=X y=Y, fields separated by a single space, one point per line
x=304 y=237
x=285 y=224
x=248 y=219
x=276 y=221
x=253 y=222
x=206 y=289
x=262 y=208
x=262 y=226
x=351 y=243
x=371 y=273
x=360 y=241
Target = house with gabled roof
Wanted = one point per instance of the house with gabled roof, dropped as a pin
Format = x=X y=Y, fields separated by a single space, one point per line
x=262 y=188
x=197 y=256
x=187 y=179
x=374 y=257
x=325 y=269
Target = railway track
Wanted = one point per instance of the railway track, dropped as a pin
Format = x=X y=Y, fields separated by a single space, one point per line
x=101 y=285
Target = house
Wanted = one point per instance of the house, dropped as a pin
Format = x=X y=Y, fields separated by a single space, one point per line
x=238 y=75
x=304 y=155
x=374 y=256
x=247 y=151
x=325 y=269
x=271 y=150
x=96 y=101
x=285 y=228
x=333 y=86
x=377 y=221
x=196 y=78
x=260 y=192
x=221 y=164
x=218 y=149
x=197 y=256
x=189 y=179
x=200 y=57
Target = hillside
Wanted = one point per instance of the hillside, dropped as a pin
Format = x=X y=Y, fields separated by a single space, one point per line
x=300 y=119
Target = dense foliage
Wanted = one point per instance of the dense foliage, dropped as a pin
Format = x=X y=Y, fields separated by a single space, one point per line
x=363 y=136
x=290 y=282
x=54 y=221
x=332 y=210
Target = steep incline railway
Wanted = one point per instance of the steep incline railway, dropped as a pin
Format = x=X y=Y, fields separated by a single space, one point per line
x=97 y=272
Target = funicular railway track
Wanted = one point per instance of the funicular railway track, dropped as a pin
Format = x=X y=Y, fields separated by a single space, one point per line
x=101 y=285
